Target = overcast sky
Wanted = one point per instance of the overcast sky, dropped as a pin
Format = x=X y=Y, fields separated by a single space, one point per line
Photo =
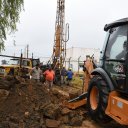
x=86 y=18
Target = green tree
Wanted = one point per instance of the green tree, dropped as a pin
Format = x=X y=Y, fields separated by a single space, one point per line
x=9 y=16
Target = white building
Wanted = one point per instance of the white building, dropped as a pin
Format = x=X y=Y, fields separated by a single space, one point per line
x=76 y=56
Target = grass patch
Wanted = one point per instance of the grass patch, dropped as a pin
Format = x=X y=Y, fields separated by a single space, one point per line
x=77 y=82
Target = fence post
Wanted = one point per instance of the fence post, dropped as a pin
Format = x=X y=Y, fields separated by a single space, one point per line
x=69 y=62
x=78 y=63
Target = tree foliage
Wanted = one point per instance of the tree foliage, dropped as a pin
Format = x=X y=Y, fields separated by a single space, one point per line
x=9 y=15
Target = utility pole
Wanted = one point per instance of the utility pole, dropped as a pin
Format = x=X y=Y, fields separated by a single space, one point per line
x=27 y=50
x=32 y=59
x=21 y=56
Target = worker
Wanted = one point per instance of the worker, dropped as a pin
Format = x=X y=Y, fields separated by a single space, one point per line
x=57 y=79
x=69 y=76
x=49 y=76
x=122 y=54
x=36 y=73
x=63 y=75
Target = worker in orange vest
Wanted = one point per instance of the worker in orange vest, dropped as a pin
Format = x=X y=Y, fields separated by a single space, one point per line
x=49 y=76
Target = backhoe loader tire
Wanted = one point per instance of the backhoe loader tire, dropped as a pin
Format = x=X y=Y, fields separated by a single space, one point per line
x=97 y=99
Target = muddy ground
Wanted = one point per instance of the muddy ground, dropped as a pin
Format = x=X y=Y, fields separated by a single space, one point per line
x=26 y=104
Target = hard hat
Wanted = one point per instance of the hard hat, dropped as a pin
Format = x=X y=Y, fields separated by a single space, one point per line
x=70 y=68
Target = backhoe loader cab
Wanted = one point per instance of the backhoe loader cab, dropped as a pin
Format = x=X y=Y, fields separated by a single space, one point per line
x=114 y=56
x=107 y=96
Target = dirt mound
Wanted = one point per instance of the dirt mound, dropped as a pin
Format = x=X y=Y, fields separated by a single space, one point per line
x=26 y=104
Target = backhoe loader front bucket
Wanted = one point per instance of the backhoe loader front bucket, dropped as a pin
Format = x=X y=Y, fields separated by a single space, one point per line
x=76 y=102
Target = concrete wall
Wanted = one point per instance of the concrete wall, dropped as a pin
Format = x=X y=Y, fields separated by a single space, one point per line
x=75 y=52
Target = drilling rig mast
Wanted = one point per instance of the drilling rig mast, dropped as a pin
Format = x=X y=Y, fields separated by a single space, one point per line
x=61 y=36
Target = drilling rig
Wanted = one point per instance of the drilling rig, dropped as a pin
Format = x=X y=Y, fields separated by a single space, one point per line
x=61 y=36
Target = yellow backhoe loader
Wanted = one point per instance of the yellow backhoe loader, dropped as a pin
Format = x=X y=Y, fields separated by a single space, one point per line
x=18 y=66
